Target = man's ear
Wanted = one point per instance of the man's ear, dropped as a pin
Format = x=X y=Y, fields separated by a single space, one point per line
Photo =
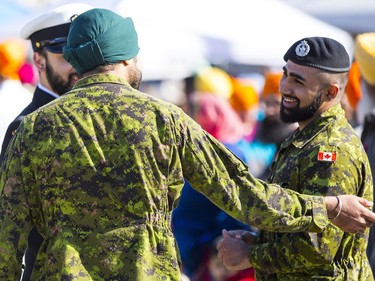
x=39 y=61
x=126 y=62
x=333 y=90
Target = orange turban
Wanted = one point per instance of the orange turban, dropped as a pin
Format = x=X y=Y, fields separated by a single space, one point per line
x=271 y=83
x=13 y=53
x=244 y=97
x=353 y=88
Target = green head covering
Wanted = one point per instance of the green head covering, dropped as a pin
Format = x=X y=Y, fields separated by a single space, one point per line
x=99 y=37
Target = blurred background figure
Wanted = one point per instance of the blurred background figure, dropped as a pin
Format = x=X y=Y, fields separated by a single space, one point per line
x=211 y=79
x=29 y=75
x=217 y=117
x=245 y=101
x=270 y=131
x=196 y=222
x=207 y=79
x=365 y=56
x=352 y=96
x=13 y=95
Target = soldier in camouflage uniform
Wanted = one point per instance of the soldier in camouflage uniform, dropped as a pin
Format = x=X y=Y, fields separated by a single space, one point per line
x=323 y=157
x=99 y=171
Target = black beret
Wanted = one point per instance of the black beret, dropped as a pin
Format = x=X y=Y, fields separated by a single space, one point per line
x=319 y=52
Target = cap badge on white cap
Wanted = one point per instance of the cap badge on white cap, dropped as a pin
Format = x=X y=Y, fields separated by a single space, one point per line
x=302 y=49
x=72 y=18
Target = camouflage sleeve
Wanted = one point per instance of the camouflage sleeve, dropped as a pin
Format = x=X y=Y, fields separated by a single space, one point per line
x=224 y=179
x=14 y=213
x=300 y=251
x=314 y=250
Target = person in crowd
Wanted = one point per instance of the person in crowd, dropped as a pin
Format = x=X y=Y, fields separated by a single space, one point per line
x=207 y=79
x=365 y=56
x=13 y=95
x=47 y=34
x=212 y=79
x=324 y=156
x=99 y=170
x=364 y=51
x=29 y=75
x=352 y=97
x=197 y=221
x=245 y=101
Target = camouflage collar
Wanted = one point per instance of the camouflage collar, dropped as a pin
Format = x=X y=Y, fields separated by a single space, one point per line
x=99 y=78
x=301 y=138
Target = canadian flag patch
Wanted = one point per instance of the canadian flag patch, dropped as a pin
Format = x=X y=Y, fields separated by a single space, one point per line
x=327 y=156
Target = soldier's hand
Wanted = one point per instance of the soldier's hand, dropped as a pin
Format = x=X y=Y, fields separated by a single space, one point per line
x=355 y=216
x=233 y=252
x=244 y=235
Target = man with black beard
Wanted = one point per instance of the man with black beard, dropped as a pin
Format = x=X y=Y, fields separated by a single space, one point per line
x=48 y=34
x=324 y=156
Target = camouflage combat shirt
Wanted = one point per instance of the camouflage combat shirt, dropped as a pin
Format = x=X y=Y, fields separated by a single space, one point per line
x=99 y=171
x=325 y=158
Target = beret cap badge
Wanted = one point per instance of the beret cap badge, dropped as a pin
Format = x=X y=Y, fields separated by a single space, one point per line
x=302 y=49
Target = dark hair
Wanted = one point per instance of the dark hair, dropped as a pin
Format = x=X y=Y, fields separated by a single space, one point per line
x=102 y=68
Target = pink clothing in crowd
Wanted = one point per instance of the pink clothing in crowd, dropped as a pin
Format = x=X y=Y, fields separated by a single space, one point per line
x=218 y=118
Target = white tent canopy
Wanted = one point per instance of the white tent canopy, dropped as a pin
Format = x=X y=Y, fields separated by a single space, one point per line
x=240 y=31
x=178 y=36
x=167 y=53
